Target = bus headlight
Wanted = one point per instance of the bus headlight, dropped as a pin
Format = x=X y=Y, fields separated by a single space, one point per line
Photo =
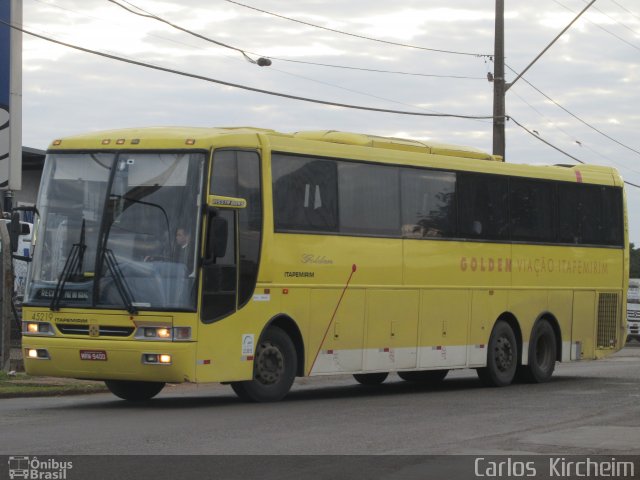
x=37 y=354
x=37 y=328
x=156 y=359
x=163 y=333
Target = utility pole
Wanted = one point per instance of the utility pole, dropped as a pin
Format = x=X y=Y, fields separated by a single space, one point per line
x=499 y=83
x=6 y=297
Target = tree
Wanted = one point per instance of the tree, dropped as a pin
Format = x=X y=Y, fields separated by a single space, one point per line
x=634 y=262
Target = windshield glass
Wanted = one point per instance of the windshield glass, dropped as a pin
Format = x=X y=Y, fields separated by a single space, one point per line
x=117 y=231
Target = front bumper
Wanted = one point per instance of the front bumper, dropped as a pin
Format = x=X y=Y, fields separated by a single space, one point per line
x=124 y=359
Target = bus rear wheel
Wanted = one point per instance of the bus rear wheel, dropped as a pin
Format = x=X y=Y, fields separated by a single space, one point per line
x=274 y=369
x=370 y=378
x=542 y=354
x=134 y=391
x=502 y=357
x=424 y=376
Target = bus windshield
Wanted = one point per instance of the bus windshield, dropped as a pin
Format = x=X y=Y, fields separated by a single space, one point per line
x=117 y=230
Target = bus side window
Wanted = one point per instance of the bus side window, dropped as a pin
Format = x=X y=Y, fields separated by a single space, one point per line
x=428 y=203
x=305 y=194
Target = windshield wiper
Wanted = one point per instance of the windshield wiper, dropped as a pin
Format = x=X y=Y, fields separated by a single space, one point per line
x=118 y=279
x=73 y=269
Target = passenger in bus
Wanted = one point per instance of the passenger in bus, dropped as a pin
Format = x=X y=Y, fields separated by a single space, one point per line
x=183 y=251
x=411 y=230
x=419 y=231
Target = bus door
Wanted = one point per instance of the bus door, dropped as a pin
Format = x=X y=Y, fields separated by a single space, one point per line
x=231 y=256
x=220 y=266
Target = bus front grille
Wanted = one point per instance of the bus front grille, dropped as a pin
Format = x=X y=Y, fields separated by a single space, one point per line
x=607 y=320
x=105 y=331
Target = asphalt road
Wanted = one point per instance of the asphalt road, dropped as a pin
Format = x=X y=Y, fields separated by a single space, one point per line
x=587 y=408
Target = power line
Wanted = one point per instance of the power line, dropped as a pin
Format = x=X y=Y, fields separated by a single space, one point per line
x=356 y=35
x=101 y=19
x=153 y=16
x=272 y=68
x=625 y=9
x=616 y=21
x=571 y=137
x=543 y=140
x=518 y=75
x=147 y=14
x=244 y=87
x=602 y=28
x=574 y=115
x=377 y=70
x=557 y=148
x=244 y=52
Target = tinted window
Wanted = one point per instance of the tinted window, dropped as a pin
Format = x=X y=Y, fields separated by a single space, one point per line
x=369 y=202
x=428 y=203
x=482 y=206
x=225 y=177
x=613 y=233
x=569 y=214
x=531 y=209
x=590 y=214
x=304 y=193
x=219 y=277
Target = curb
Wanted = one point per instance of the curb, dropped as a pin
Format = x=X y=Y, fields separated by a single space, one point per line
x=52 y=393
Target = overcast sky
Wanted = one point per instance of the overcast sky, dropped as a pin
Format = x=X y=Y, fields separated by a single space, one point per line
x=593 y=71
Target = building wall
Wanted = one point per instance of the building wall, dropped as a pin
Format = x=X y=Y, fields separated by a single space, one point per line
x=29 y=192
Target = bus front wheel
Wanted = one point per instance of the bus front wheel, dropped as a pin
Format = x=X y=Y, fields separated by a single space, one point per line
x=502 y=357
x=274 y=369
x=542 y=354
x=134 y=391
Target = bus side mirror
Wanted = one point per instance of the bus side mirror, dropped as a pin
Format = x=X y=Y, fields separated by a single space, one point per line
x=216 y=238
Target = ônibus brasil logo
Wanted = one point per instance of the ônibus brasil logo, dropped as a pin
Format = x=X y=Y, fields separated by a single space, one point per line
x=35 y=469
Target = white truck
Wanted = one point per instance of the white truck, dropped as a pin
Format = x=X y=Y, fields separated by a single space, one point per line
x=633 y=310
x=23 y=250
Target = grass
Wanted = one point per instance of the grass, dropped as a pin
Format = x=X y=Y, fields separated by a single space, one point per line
x=22 y=385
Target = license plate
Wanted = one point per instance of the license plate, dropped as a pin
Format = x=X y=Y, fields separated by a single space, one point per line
x=99 y=355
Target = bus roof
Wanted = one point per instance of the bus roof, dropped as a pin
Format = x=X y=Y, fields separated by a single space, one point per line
x=154 y=134
x=205 y=137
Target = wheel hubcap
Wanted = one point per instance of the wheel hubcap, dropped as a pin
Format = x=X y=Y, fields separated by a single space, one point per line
x=503 y=354
x=269 y=364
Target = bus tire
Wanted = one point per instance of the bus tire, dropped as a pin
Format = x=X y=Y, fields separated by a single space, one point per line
x=502 y=357
x=424 y=376
x=542 y=354
x=134 y=391
x=274 y=369
x=370 y=378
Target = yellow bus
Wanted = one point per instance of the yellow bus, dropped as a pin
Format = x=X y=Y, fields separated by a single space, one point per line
x=251 y=257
